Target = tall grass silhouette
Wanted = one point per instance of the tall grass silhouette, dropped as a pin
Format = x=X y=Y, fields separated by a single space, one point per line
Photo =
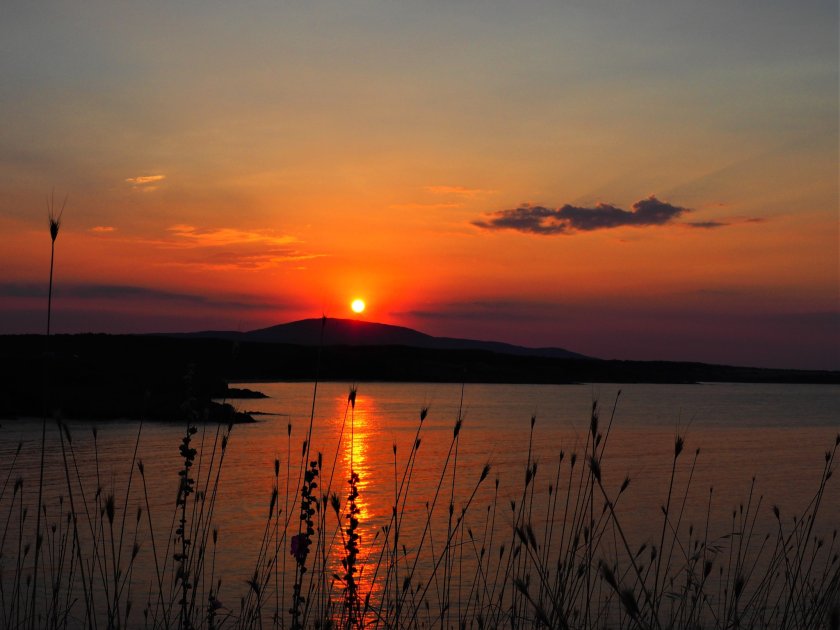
x=557 y=555
x=54 y=220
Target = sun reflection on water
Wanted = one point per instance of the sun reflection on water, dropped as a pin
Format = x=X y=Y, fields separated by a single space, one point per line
x=360 y=429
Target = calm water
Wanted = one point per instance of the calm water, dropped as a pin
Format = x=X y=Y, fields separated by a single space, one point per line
x=776 y=434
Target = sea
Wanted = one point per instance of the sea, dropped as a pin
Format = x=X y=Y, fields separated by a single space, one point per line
x=460 y=464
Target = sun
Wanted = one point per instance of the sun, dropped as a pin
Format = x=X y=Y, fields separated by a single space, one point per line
x=358 y=306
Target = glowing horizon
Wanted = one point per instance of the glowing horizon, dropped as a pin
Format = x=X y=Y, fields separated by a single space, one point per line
x=670 y=195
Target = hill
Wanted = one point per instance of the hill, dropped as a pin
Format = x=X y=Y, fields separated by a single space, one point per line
x=353 y=332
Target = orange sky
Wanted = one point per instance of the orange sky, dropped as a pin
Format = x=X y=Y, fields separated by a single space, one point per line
x=468 y=173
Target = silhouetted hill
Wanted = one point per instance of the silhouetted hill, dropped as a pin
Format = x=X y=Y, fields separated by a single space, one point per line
x=353 y=332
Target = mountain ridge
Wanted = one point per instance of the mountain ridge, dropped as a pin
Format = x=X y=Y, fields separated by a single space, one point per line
x=356 y=332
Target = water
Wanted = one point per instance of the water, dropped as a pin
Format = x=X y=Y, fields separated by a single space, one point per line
x=759 y=446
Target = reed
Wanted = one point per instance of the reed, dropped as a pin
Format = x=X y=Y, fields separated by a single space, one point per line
x=54 y=219
x=523 y=553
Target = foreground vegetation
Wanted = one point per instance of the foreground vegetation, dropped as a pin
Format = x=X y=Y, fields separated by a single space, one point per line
x=557 y=556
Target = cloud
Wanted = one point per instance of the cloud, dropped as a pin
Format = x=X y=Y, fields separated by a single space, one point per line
x=724 y=222
x=218 y=237
x=124 y=292
x=103 y=229
x=706 y=225
x=490 y=310
x=569 y=219
x=410 y=207
x=231 y=249
x=250 y=259
x=22 y=290
x=222 y=249
x=460 y=191
x=145 y=179
x=145 y=183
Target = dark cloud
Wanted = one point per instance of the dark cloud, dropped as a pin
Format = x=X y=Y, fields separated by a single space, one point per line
x=569 y=219
x=534 y=219
x=486 y=310
x=727 y=326
x=22 y=290
x=123 y=292
x=706 y=225
x=824 y=321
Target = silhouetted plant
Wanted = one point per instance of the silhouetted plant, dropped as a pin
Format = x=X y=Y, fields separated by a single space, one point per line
x=55 y=224
x=185 y=489
x=351 y=544
x=300 y=543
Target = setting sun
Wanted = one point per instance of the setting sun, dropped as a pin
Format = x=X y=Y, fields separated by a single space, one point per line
x=358 y=306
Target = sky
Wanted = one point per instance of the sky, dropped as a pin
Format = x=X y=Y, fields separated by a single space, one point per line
x=633 y=180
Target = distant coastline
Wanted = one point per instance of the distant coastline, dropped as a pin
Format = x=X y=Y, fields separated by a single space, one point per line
x=131 y=376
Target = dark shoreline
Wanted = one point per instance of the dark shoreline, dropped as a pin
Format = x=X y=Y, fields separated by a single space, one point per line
x=132 y=376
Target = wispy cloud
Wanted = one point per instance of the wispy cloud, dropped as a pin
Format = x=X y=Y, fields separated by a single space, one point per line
x=454 y=197
x=409 y=207
x=145 y=183
x=460 y=191
x=707 y=225
x=250 y=259
x=710 y=225
x=125 y=293
x=217 y=237
x=103 y=229
x=489 y=310
x=231 y=249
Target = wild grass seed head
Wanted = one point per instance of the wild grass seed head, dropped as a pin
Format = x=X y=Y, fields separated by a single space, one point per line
x=55 y=217
x=109 y=508
x=596 y=468
x=624 y=485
